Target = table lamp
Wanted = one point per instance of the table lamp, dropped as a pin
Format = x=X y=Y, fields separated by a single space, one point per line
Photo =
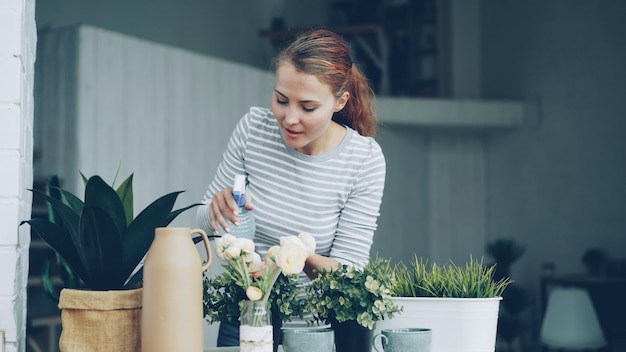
x=570 y=321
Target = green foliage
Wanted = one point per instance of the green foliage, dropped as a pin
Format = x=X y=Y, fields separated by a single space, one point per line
x=56 y=265
x=474 y=280
x=223 y=294
x=98 y=238
x=350 y=294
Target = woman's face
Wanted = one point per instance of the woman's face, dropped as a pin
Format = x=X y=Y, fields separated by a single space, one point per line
x=304 y=107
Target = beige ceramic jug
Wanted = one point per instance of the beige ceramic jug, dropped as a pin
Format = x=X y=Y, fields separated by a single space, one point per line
x=173 y=312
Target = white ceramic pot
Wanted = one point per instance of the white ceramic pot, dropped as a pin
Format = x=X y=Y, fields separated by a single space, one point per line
x=458 y=324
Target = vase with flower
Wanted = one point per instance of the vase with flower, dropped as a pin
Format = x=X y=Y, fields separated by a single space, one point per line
x=248 y=288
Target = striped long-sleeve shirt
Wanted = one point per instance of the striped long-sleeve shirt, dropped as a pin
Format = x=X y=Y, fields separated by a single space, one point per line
x=336 y=196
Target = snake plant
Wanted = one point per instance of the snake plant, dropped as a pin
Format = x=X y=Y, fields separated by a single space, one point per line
x=98 y=237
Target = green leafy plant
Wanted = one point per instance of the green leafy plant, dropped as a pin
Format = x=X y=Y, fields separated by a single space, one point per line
x=55 y=265
x=98 y=238
x=474 y=280
x=347 y=293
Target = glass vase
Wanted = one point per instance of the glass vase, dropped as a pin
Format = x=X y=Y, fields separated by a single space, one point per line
x=255 y=329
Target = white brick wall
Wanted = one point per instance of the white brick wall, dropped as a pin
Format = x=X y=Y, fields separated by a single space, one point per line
x=17 y=55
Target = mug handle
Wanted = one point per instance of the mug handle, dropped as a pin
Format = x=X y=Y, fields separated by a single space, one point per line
x=205 y=240
x=383 y=342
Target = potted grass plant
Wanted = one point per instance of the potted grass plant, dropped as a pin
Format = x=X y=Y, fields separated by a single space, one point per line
x=102 y=244
x=459 y=303
x=353 y=301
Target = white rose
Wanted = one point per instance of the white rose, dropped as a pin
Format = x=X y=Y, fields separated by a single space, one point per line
x=255 y=262
x=304 y=239
x=232 y=252
x=272 y=253
x=308 y=241
x=291 y=258
x=219 y=248
x=245 y=244
x=227 y=239
x=254 y=293
x=290 y=239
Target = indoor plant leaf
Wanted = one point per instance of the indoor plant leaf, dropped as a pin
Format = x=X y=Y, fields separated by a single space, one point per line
x=98 y=193
x=67 y=215
x=74 y=202
x=125 y=192
x=175 y=213
x=53 y=190
x=60 y=240
x=47 y=282
x=135 y=279
x=102 y=246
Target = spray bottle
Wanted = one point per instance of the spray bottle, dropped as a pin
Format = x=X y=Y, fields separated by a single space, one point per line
x=247 y=226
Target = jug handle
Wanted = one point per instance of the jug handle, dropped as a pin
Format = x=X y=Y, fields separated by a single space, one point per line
x=205 y=240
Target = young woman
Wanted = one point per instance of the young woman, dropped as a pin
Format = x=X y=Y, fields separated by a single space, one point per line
x=311 y=161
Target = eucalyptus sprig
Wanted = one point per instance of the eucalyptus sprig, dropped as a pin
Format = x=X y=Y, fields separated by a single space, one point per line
x=347 y=293
x=474 y=280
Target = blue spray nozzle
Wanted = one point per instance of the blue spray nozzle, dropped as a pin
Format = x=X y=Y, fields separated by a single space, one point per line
x=239 y=190
x=240 y=198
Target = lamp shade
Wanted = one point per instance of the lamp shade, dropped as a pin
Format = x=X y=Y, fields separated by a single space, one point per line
x=570 y=321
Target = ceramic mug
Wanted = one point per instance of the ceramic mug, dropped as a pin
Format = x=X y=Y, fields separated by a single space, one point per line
x=403 y=340
x=308 y=340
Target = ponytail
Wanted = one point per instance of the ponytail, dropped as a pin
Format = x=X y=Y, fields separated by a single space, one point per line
x=360 y=110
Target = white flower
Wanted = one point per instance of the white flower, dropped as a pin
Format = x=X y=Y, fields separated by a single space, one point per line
x=308 y=241
x=304 y=240
x=227 y=239
x=290 y=239
x=246 y=244
x=254 y=261
x=221 y=243
x=272 y=253
x=254 y=293
x=219 y=248
x=291 y=258
x=232 y=252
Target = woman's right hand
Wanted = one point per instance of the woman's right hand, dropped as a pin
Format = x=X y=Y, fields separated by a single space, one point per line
x=223 y=206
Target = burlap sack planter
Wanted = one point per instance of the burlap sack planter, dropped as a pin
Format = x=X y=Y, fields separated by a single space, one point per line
x=104 y=321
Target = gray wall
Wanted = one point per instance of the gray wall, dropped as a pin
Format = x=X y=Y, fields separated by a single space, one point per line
x=557 y=185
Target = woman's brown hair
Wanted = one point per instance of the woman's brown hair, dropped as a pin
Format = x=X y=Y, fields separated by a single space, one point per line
x=327 y=56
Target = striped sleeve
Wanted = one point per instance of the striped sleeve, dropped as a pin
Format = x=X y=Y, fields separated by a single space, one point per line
x=358 y=219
